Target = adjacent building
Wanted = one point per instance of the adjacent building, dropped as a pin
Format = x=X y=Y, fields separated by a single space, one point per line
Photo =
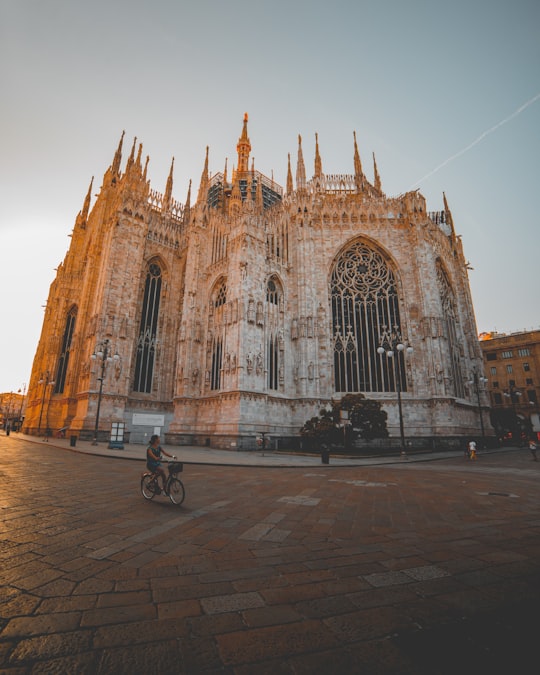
x=512 y=369
x=252 y=305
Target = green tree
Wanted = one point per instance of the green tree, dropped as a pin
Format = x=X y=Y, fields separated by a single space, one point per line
x=366 y=419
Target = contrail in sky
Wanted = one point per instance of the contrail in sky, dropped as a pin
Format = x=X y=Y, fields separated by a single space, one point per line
x=480 y=138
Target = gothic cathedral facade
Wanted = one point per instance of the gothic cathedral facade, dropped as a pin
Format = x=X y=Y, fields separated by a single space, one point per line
x=251 y=309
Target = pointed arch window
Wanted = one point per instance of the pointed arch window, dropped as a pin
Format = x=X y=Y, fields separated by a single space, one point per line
x=148 y=329
x=63 y=360
x=364 y=301
x=274 y=346
x=450 y=329
x=219 y=300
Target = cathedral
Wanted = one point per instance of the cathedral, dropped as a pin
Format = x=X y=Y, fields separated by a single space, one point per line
x=250 y=307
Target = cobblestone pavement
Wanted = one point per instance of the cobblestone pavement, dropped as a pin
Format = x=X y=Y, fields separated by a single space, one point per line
x=428 y=568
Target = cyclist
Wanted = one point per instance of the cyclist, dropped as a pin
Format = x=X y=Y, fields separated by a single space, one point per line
x=153 y=459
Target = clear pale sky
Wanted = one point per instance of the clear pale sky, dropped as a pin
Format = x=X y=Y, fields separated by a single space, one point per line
x=447 y=95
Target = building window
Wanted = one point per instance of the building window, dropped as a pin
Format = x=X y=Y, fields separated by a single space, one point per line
x=217 y=357
x=495 y=384
x=493 y=370
x=272 y=294
x=218 y=333
x=531 y=395
x=529 y=381
x=148 y=328
x=453 y=339
x=274 y=341
x=491 y=356
x=221 y=296
x=497 y=399
x=63 y=360
x=507 y=354
x=273 y=362
x=509 y=369
x=364 y=302
x=526 y=367
x=525 y=351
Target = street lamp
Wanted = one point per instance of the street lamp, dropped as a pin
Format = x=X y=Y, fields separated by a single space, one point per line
x=19 y=425
x=102 y=354
x=45 y=381
x=513 y=394
x=479 y=381
x=390 y=343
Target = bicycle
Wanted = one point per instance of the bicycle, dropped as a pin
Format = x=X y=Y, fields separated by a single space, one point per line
x=174 y=488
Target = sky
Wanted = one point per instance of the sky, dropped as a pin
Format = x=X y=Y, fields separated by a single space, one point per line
x=446 y=94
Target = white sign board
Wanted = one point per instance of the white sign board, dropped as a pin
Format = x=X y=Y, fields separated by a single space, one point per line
x=148 y=420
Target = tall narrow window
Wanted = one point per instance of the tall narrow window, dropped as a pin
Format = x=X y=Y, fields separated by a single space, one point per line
x=147 y=340
x=364 y=303
x=274 y=328
x=273 y=362
x=63 y=360
x=219 y=301
x=451 y=333
x=217 y=357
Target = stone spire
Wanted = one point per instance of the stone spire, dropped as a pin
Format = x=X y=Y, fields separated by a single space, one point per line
x=377 y=178
x=289 y=175
x=300 y=168
x=86 y=205
x=131 y=158
x=203 y=187
x=235 y=202
x=318 y=161
x=167 y=197
x=82 y=216
x=358 y=173
x=448 y=217
x=138 y=163
x=115 y=166
x=187 y=205
x=243 y=148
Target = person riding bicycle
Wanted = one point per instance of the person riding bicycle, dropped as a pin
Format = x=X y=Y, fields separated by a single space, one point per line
x=153 y=459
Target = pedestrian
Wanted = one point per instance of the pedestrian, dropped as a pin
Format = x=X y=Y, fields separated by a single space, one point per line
x=471 y=450
x=532 y=448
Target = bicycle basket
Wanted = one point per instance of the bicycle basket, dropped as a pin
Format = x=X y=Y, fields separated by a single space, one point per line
x=175 y=467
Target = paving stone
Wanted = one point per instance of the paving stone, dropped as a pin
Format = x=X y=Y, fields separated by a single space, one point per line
x=271 y=616
x=139 y=632
x=231 y=603
x=264 y=643
x=105 y=615
x=48 y=646
x=37 y=625
x=159 y=658
x=368 y=624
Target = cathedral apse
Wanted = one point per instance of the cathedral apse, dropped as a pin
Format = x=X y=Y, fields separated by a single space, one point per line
x=251 y=306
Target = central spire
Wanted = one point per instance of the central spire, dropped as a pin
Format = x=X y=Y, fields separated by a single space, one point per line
x=244 y=148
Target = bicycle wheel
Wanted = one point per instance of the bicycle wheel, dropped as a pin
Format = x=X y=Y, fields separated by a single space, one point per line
x=147 y=487
x=176 y=491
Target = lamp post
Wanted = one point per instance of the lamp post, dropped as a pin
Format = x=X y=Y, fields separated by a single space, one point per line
x=101 y=354
x=513 y=394
x=478 y=381
x=46 y=381
x=391 y=341
x=19 y=425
